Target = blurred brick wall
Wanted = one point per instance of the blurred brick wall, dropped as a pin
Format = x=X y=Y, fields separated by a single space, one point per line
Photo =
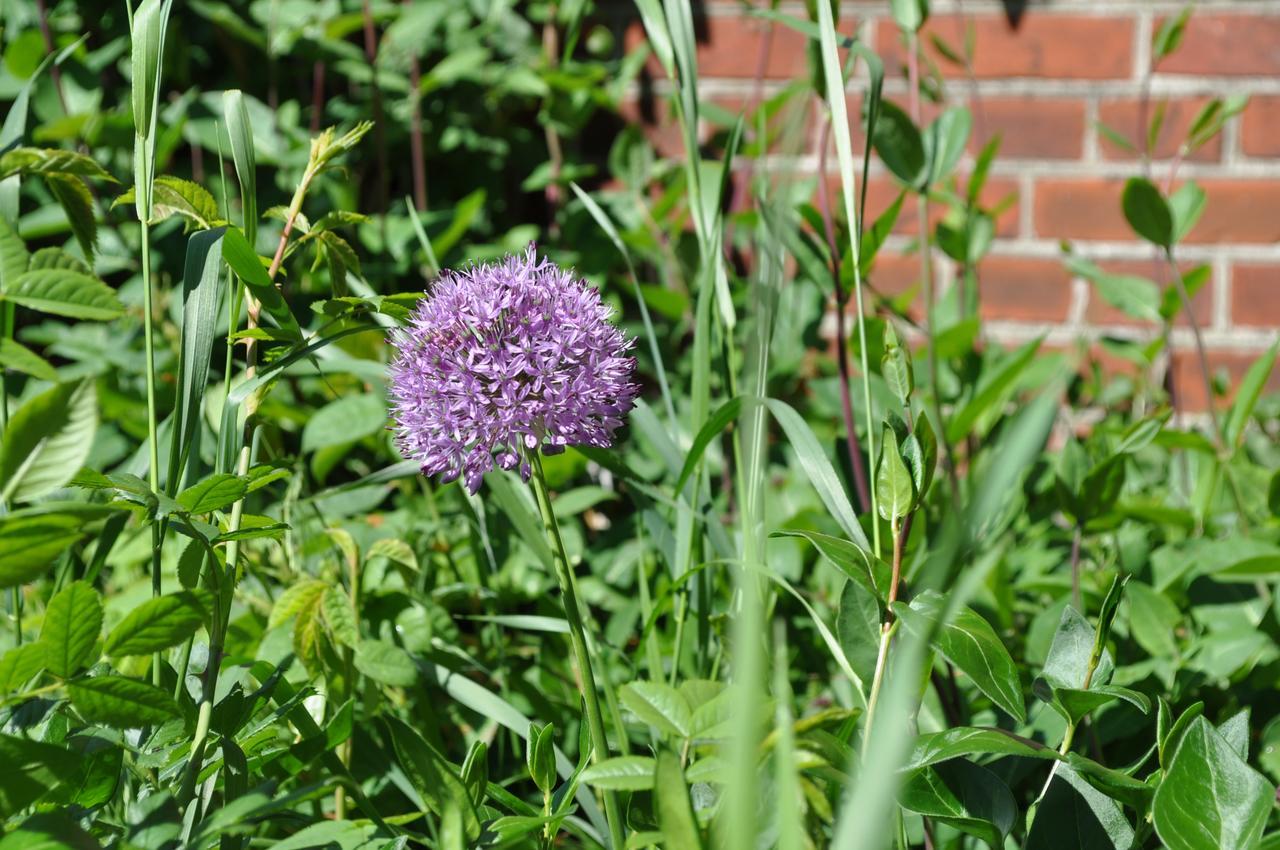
x=1043 y=84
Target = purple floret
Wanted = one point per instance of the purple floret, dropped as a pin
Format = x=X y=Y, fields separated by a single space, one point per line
x=502 y=359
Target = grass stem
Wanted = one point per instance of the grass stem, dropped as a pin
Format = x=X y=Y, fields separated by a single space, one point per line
x=578 y=641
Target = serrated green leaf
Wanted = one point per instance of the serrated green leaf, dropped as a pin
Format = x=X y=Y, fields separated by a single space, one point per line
x=386 y=663
x=29 y=545
x=158 y=624
x=19 y=665
x=47 y=441
x=340 y=617
x=120 y=703
x=19 y=358
x=77 y=203
x=213 y=493
x=62 y=292
x=70 y=631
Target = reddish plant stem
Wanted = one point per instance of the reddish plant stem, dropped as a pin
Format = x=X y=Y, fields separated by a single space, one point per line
x=842 y=349
x=379 y=130
x=317 y=95
x=54 y=71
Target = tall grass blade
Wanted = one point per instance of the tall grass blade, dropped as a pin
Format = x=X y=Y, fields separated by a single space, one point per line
x=242 y=154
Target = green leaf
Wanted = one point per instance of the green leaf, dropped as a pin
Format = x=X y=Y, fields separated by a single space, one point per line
x=297 y=598
x=992 y=391
x=969 y=797
x=244 y=261
x=432 y=775
x=19 y=665
x=659 y=705
x=1076 y=816
x=1169 y=36
x=46 y=161
x=624 y=773
x=1210 y=799
x=31 y=769
x=77 y=203
x=969 y=643
x=895 y=491
x=13 y=255
x=70 y=631
x=944 y=142
x=349 y=418
x=1067 y=665
x=150 y=22
x=174 y=196
x=1186 y=206
x=386 y=663
x=157 y=624
x=817 y=466
x=540 y=758
x=909 y=15
x=56 y=830
x=899 y=144
x=338 y=614
x=1147 y=212
x=1152 y=620
x=213 y=493
x=1132 y=295
x=675 y=814
x=970 y=740
x=47 y=441
x=1251 y=387
x=120 y=703
x=29 y=545
x=895 y=366
x=240 y=131
x=62 y=292
x=858 y=625
x=19 y=358
x=855 y=562
x=202 y=294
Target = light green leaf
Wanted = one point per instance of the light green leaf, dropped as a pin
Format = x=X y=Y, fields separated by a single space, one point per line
x=895 y=491
x=19 y=358
x=386 y=663
x=19 y=665
x=29 y=545
x=71 y=626
x=47 y=441
x=624 y=773
x=62 y=292
x=349 y=418
x=659 y=705
x=675 y=814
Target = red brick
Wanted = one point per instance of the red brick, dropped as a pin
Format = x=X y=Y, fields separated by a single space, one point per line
x=1238 y=211
x=1260 y=128
x=1099 y=312
x=1024 y=289
x=731 y=45
x=1255 y=295
x=1188 y=378
x=1226 y=44
x=1126 y=117
x=662 y=129
x=881 y=192
x=1030 y=128
x=1043 y=45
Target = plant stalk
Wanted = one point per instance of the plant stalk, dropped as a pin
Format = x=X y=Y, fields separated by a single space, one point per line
x=577 y=640
x=886 y=629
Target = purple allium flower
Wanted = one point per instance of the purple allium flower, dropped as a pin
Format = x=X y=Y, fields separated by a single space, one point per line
x=502 y=359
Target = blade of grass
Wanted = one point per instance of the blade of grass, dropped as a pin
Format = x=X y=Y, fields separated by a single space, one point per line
x=834 y=79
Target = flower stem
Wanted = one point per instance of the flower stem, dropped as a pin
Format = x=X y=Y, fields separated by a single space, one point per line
x=578 y=641
x=886 y=629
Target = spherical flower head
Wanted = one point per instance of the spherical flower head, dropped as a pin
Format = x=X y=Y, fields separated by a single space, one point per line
x=504 y=359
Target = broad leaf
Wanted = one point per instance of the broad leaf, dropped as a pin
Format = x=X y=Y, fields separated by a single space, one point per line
x=64 y=292
x=47 y=441
x=71 y=626
x=157 y=624
x=120 y=703
x=1210 y=799
x=659 y=705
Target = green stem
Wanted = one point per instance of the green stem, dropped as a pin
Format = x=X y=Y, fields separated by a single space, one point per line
x=886 y=635
x=578 y=641
x=153 y=426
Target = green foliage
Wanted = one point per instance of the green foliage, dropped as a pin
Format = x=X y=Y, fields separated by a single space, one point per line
x=241 y=619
